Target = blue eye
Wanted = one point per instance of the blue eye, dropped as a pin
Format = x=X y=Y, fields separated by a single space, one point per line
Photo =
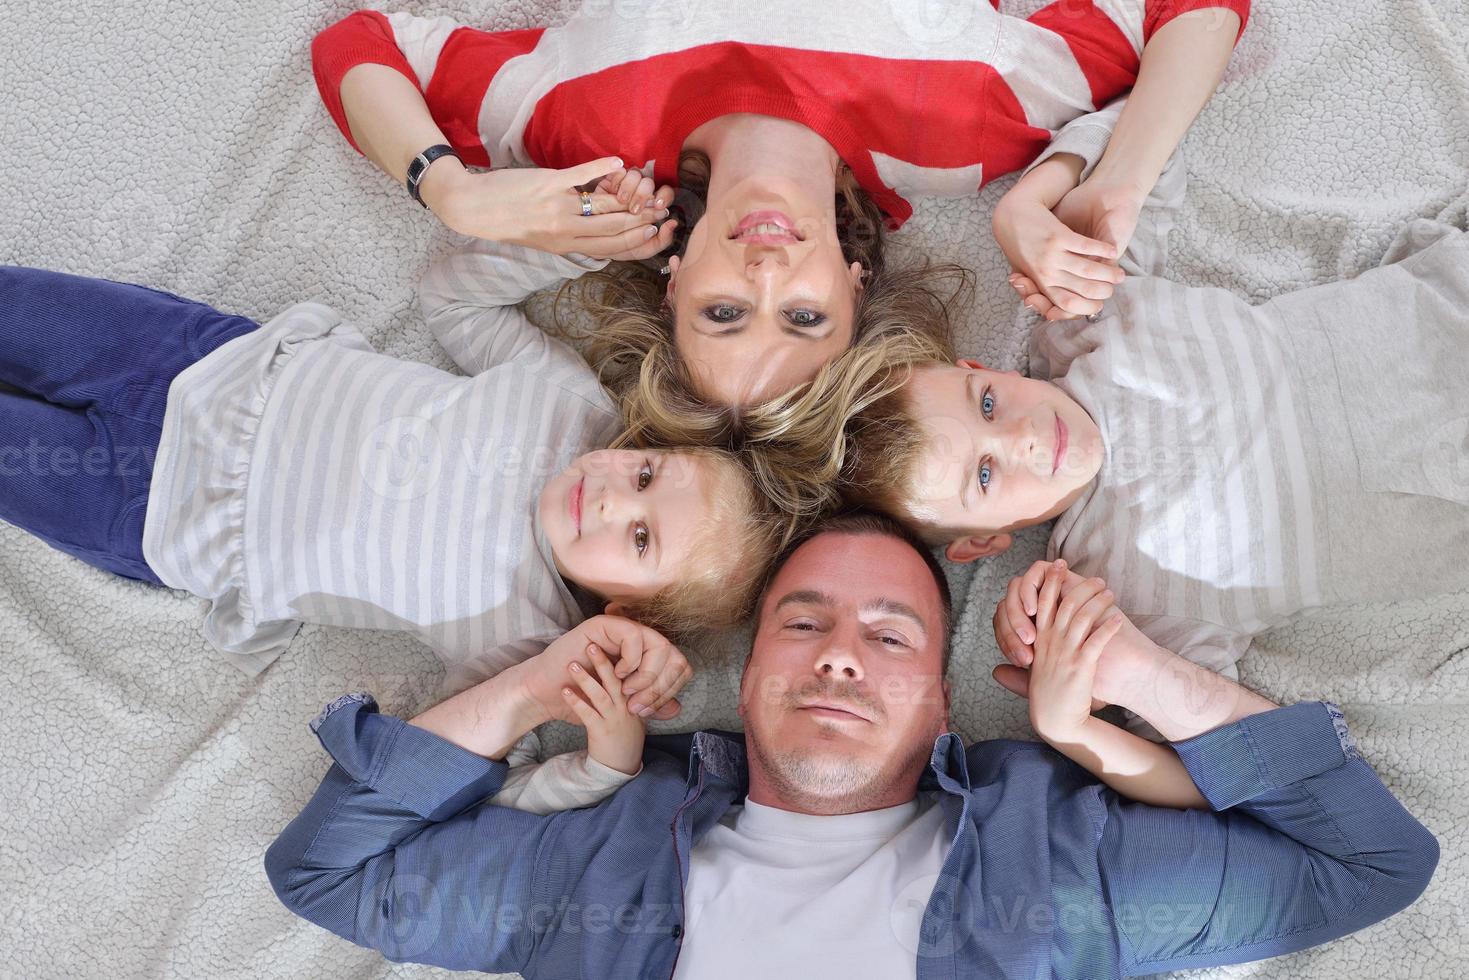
x=984 y=476
x=988 y=405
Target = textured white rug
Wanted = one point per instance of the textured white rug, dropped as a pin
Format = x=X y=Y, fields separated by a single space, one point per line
x=183 y=146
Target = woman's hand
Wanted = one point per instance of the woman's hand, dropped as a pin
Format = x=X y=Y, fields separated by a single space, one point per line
x=1070 y=270
x=542 y=209
x=614 y=734
x=1071 y=633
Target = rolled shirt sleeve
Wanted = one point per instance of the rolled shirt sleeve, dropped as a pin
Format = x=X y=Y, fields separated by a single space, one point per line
x=1305 y=845
x=391 y=846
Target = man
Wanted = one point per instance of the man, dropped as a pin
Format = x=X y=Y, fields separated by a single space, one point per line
x=847 y=833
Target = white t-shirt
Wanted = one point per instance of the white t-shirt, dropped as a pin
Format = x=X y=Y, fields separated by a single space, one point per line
x=773 y=893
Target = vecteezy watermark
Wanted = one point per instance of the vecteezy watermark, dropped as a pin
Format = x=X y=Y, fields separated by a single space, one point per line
x=1446 y=459
x=37 y=460
x=402 y=458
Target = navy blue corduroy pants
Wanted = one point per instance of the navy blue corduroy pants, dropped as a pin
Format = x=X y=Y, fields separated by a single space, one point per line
x=85 y=366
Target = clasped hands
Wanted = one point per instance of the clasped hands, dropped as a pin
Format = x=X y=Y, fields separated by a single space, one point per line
x=1063 y=253
x=1070 y=651
x=542 y=208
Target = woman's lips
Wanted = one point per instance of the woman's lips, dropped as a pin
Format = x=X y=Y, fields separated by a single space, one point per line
x=1060 y=444
x=766 y=228
x=576 y=495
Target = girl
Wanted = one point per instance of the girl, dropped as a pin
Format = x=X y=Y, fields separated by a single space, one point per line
x=288 y=473
x=801 y=131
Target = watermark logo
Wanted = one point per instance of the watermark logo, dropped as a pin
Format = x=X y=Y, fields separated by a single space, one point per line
x=402 y=458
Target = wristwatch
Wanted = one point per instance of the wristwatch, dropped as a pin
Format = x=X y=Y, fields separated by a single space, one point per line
x=419 y=167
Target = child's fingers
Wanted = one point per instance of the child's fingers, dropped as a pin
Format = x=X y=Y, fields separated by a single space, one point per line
x=1092 y=649
x=1015 y=650
x=584 y=712
x=1072 y=599
x=1045 y=612
x=590 y=689
x=1015 y=613
x=602 y=664
x=627 y=188
x=1084 y=623
x=587 y=172
x=1030 y=585
x=643 y=196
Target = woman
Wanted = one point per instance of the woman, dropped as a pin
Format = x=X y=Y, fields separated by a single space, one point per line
x=808 y=127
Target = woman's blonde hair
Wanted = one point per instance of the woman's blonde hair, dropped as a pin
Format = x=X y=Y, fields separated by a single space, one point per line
x=794 y=441
x=728 y=556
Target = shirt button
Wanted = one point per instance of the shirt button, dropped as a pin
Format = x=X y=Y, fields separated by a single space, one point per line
x=676 y=932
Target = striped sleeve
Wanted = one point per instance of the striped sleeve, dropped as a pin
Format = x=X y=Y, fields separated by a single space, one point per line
x=568 y=781
x=469 y=300
x=1106 y=37
x=450 y=64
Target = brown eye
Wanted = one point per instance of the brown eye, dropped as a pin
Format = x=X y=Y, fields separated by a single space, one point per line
x=645 y=475
x=640 y=539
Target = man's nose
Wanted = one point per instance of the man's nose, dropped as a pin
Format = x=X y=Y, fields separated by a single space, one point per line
x=838 y=658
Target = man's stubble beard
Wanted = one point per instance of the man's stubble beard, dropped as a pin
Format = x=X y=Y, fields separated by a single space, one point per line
x=830 y=783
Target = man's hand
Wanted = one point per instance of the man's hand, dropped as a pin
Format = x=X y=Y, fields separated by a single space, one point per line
x=651 y=670
x=1071 y=634
x=542 y=209
x=614 y=734
x=1125 y=657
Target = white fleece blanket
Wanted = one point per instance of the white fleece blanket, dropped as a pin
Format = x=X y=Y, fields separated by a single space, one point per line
x=183 y=146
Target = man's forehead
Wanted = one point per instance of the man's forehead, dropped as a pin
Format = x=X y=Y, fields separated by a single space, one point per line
x=862 y=571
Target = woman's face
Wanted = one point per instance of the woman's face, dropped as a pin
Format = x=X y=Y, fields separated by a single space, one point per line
x=762 y=297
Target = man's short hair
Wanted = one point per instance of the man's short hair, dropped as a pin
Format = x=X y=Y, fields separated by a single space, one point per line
x=872 y=522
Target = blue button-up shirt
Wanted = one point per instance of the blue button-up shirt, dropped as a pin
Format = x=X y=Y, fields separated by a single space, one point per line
x=1048 y=872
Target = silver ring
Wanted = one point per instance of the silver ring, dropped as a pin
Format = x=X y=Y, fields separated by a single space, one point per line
x=586 y=204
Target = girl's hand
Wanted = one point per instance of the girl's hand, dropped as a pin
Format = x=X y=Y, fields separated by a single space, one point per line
x=542 y=209
x=1071 y=634
x=614 y=734
x=1072 y=272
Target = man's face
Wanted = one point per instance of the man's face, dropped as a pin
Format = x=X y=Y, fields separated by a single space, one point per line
x=843 y=694
x=1000 y=451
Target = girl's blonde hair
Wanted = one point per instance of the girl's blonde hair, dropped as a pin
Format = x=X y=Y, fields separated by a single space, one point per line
x=729 y=555
x=793 y=442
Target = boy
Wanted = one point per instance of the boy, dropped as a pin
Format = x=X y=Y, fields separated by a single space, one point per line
x=1221 y=466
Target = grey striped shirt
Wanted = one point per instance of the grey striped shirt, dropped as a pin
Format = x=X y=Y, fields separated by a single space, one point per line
x=303 y=477
x=1260 y=460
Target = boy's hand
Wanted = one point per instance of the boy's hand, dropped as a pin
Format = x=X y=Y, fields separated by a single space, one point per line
x=1071 y=633
x=649 y=666
x=1072 y=272
x=614 y=734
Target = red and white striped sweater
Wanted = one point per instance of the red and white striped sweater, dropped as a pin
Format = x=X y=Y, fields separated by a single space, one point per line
x=914 y=104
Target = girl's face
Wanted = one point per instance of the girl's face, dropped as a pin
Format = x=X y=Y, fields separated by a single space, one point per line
x=763 y=296
x=623 y=523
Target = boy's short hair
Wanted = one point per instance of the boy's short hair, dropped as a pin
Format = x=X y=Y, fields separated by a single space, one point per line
x=885 y=445
x=728 y=557
x=859 y=521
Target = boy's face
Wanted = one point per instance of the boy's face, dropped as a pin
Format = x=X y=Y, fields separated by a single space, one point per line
x=1001 y=452
x=622 y=522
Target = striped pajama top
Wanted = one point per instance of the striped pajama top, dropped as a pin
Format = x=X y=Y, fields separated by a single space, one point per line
x=1262 y=460
x=303 y=477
